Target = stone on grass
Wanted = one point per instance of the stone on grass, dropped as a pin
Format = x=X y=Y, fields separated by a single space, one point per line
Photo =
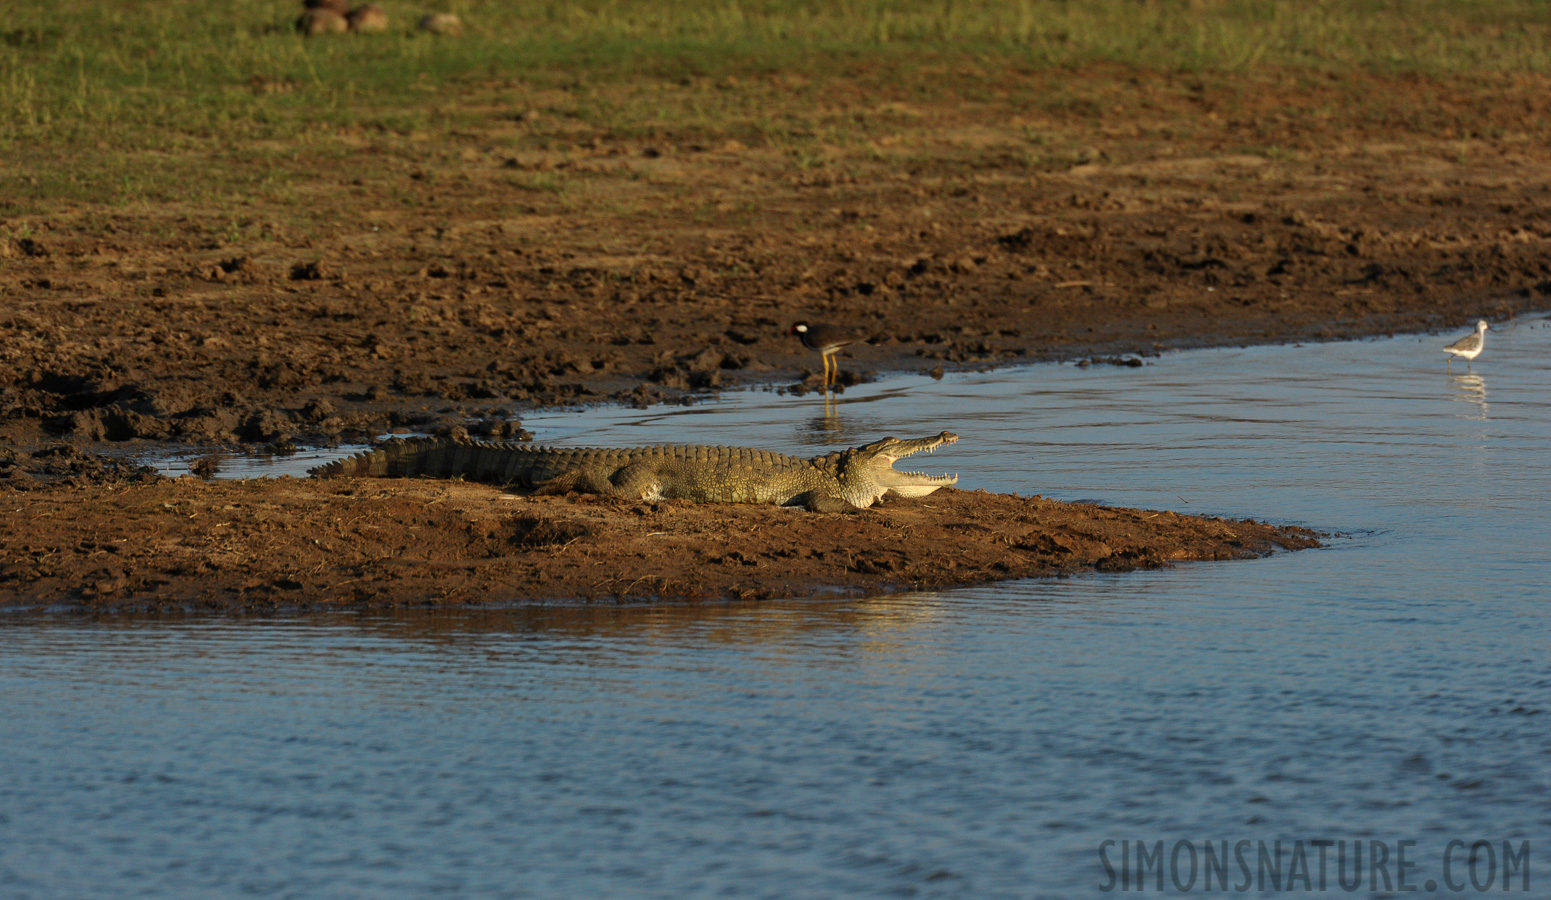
x=368 y=18
x=321 y=21
x=442 y=23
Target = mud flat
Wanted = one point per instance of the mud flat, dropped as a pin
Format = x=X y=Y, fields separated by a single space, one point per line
x=252 y=546
x=505 y=265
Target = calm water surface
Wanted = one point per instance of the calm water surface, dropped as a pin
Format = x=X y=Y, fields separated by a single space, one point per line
x=975 y=743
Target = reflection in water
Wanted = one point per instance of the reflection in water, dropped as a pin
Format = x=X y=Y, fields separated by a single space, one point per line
x=875 y=622
x=1471 y=388
x=830 y=430
x=829 y=424
x=827 y=427
x=238 y=466
x=871 y=414
x=771 y=623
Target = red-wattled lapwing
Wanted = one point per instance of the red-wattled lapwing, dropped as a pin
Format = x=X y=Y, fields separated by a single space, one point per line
x=827 y=340
x=1470 y=345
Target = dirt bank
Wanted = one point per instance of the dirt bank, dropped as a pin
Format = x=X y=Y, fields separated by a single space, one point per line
x=300 y=544
x=525 y=260
x=536 y=254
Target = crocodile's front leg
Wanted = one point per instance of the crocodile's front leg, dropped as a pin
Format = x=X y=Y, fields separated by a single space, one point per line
x=581 y=481
x=637 y=481
x=818 y=501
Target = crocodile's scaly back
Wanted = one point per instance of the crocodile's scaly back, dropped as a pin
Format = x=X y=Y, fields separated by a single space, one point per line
x=431 y=458
x=849 y=479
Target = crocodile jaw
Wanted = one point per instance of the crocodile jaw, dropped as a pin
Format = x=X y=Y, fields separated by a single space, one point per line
x=907 y=483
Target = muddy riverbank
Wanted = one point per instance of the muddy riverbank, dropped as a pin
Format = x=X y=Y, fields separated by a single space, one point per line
x=464 y=277
x=286 y=544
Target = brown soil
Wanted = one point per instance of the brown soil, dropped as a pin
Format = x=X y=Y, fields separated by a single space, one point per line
x=424 y=290
x=264 y=545
x=446 y=284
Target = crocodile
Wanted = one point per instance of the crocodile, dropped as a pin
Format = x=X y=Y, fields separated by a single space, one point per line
x=842 y=481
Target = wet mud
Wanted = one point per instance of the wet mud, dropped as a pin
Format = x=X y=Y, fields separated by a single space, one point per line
x=454 y=283
x=287 y=544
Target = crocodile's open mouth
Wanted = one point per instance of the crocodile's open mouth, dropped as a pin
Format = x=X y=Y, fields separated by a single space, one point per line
x=907 y=483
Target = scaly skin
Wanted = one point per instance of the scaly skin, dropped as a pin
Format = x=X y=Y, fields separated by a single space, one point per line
x=837 y=482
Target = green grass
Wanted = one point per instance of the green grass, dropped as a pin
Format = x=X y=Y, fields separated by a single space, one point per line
x=143 y=99
x=201 y=68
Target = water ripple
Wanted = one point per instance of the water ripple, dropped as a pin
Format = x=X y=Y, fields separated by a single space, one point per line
x=979 y=742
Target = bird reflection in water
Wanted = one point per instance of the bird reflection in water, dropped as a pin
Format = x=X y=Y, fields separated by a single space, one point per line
x=829 y=425
x=1470 y=388
x=831 y=408
x=833 y=430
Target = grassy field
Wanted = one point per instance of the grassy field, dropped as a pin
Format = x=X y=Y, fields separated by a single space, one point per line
x=120 y=102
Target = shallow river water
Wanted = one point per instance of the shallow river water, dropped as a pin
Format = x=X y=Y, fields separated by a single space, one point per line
x=976 y=743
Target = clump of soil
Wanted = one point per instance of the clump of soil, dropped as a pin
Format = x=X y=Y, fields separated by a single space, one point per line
x=442 y=23
x=64 y=466
x=302 y=544
x=319 y=20
x=368 y=19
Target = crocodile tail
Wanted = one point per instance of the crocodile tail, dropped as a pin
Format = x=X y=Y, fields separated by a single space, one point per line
x=431 y=457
